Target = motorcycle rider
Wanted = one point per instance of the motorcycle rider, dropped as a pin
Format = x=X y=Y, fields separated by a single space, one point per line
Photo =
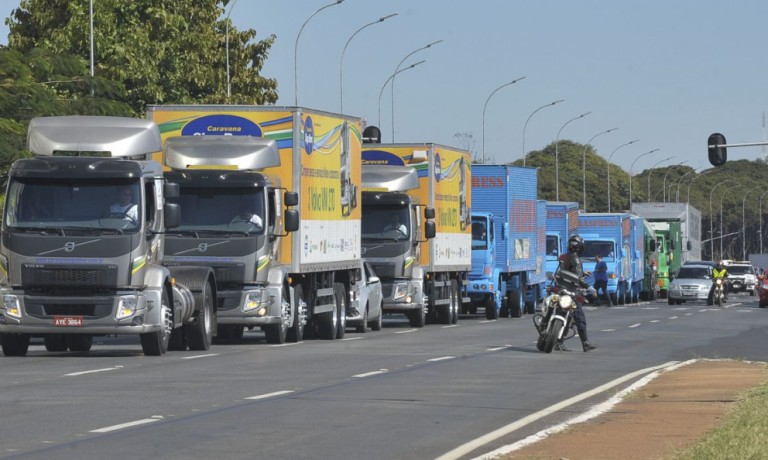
x=571 y=262
x=719 y=272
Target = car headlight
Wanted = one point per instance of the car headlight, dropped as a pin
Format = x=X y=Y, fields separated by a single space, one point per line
x=254 y=299
x=127 y=306
x=400 y=291
x=11 y=305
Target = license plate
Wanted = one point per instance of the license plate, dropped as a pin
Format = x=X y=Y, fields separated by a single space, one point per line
x=68 y=321
x=737 y=285
x=689 y=294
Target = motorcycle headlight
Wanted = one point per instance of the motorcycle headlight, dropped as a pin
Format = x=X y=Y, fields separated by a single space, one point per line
x=566 y=301
x=719 y=281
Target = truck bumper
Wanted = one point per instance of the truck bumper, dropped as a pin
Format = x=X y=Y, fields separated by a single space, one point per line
x=253 y=306
x=32 y=314
x=402 y=295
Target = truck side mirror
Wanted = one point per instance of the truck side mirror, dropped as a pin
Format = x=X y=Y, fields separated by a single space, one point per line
x=171 y=190
x=429 y=229
x=291 y=198
x=291 y=220
x=172 y=214
x=429 y=213
x=716 y=150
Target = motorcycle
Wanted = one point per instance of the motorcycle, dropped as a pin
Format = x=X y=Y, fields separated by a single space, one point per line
x=555 y=321
x=718 y=296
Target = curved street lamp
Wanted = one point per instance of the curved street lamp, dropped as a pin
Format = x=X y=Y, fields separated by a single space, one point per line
x=525 y=155
x=227 y=46
x=630 y=173
x=609 y=169
x=688 y=192
x=557 y=154
x=486 y=106
x=744 y=223
x=390 y=79
x=392 y=87
x=584 y=168
x=664 y=184
x=722 y=236
x=344 y=50
x=711 y=219
x=296 y=51
x=650 y=170
x=760 y=216
x=679 y=182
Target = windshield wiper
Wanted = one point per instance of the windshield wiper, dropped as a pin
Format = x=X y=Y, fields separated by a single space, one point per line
x=40 y=230
x=183 y=233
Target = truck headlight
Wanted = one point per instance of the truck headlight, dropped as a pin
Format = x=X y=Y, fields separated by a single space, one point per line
x=400 y=291
x=11 y=305
x=126 y=307
x=254 y=299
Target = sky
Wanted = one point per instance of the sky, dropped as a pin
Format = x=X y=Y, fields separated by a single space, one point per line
x=665 y=72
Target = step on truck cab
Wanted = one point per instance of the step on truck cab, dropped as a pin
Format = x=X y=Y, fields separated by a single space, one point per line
x=504 y=240
x=317 y=266
x=608 y=235
x=232 y=220
x=416 y=227
x=82 y=243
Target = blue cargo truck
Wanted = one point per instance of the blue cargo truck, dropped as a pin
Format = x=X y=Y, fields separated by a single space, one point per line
x=562 y=222
x=638 y=248
x=537 y=279
x=504 y=240
x=609 y=235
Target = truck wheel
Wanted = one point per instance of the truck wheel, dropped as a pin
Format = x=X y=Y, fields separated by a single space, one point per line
x=156 y=343
x=341 y=306
x=178 y=341
x=517 y=304
x=490 y=308
x=506 y=302
x=363 y=326
x=15 y=344
x=417 y=318
x=200 y=333
x=80 y=342
x=55 y=342
x=296 y=331
x=455 y=302
x=327 y=323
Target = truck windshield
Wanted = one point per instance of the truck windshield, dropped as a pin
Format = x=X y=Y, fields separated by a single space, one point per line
x=386 y=223
x=479 y=233
x=34 y=204
x=222 y=210
x=553 y=246
x=598 y=248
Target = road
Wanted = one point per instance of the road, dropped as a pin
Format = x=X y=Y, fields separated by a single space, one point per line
x=400 y=393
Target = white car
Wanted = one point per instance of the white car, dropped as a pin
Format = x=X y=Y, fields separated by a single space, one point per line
x=366 y=309
x=690 y=283
x=742 y=277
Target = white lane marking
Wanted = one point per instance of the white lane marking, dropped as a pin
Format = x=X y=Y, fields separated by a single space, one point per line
x=452 y=325
x=406 y=332
x=121 y=426
x=487 y=321
x=607 y=330
x=466 y=448
x=285 y=344
x=94 y=371
x=498 y=348
x=368 y=374
x=270 y=395
x=442 y=358
x=650 y=308
x=352 y=338
x=673 y=317
x=655 y=320
x=632 y=326
x=689 y=314
x=681 y=309
x=201 y=356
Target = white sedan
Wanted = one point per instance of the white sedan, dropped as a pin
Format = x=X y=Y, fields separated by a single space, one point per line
x=366 y=311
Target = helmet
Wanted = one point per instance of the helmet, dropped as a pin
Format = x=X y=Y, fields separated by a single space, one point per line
x=576 y=244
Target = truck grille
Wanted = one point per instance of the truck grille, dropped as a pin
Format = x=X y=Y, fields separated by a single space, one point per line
x=42 y=307
x=385 y=271
x=228 y=275
x=51 y=277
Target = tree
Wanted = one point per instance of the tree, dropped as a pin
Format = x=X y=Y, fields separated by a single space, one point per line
x=161 y=51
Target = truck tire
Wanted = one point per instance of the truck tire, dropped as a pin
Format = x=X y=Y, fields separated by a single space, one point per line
x=417 y=318
x=80 y=342
x=15 y=344
x=490 y=308
x=327 y=323
x=456 y=302
x=156 y=343
x=55 y=342
x=341 y=307
x=517 y=303
x=296 y=331
x=200 y=333
x=178 y=341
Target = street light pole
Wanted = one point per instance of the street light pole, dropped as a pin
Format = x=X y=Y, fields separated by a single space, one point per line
x=711 y=219
x=90 y=10
x=630 y=174
x=721 y=217
x=486 y=106
x=609 y=169
x=679 y=181
x=760 y=216
x=296 y=51
x=227 y=46
x=392 y=86
x=744 y=223
x=664 y=184
x=390 y=79
x=341 y=62
x=584 y=168
x=557 y=154
x=650 y=170
x=525 y=155
x=688 y=193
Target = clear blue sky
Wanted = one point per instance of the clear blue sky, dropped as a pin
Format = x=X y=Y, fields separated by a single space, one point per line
x=666 y=72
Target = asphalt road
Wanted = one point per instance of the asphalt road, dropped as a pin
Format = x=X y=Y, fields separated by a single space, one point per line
x=400 y=393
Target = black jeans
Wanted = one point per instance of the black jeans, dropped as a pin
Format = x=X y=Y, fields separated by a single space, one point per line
x=604 y=286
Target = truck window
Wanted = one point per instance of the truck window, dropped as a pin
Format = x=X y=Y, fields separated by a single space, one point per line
x=384 y=222
x=223 y=209
x=605 y=249
x=479 y=234
x=553 y=246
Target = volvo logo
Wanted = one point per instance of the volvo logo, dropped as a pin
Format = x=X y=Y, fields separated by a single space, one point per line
x=202 y=247
x=363 y=249
x=69 y=246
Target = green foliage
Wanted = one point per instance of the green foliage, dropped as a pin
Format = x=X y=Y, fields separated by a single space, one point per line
x=160 y=51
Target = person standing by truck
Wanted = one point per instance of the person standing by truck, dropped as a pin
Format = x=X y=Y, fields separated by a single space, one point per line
x=572 y=262
x=601 y=280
